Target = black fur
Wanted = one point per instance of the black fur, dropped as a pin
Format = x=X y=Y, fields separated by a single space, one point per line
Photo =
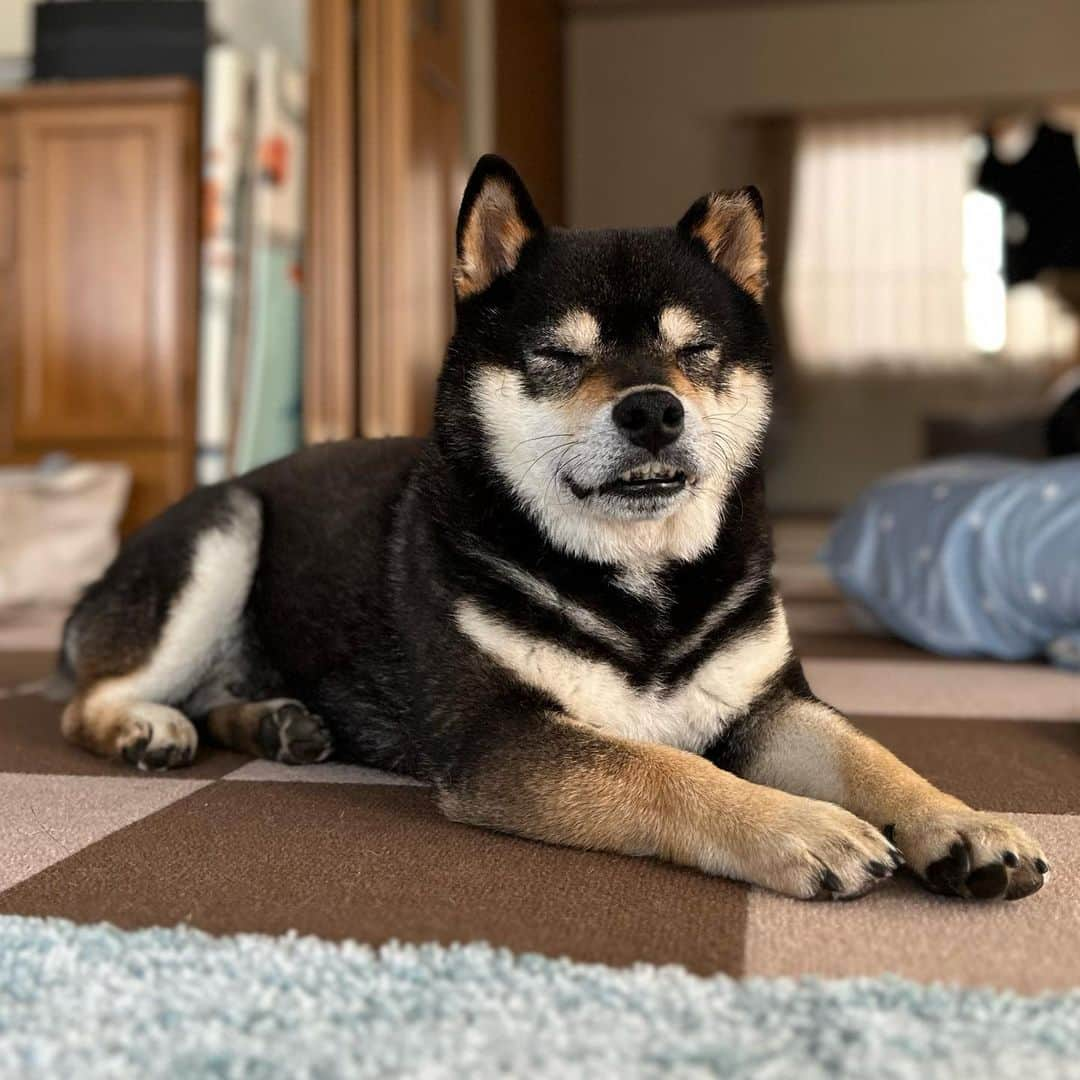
x=367 y=546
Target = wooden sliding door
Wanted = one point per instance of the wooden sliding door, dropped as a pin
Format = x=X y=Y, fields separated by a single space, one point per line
x=411 y=172
x=387 y=170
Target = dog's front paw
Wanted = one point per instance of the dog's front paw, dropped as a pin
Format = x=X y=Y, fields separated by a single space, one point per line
x=963 y=852
x=819 y=851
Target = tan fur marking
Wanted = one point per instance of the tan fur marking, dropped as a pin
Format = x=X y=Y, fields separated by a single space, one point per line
x=678 y=327
x=492 y=239
x=577 y=331
x=594 y=390
x=684 y=386
x=735 y=238
x=236 y=726
x=106 y=722
x=814 y=752
x=641 y=799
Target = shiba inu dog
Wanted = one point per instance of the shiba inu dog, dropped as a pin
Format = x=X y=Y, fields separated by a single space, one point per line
x=559 y=610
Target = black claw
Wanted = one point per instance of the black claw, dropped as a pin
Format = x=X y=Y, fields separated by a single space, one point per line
x=1041 y=866
x=133 y=752
x=890 y=833
x=897 y=858
x=878 y=869
x=1010 y=858
x=830 y=881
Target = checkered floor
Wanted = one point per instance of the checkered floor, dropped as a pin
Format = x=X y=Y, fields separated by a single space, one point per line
x=235 y=845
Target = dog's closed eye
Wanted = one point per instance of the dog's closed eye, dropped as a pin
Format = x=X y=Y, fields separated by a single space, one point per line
x=697 y=349
x=566 y=356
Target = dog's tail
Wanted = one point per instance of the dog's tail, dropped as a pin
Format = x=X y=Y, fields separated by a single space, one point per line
x=58 y=685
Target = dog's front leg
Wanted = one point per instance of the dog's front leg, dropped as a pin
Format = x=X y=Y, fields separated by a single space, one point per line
x=798 y=744
x=548 y=778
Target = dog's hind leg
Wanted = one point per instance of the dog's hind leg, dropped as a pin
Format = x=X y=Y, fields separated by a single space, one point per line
x=153 y=631
x=280 y=729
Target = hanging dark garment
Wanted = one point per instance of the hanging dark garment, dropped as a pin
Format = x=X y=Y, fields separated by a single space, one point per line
x=1041 y=193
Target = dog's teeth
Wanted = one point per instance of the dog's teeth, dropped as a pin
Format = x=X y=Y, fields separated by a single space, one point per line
x=652 y=471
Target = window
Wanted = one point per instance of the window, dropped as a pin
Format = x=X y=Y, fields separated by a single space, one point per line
x=896 y=259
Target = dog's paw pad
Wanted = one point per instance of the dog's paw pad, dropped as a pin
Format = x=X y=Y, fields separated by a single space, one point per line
x=988 y=882
x=292 y=735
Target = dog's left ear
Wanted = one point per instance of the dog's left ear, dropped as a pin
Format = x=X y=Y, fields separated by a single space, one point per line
x=496 y=220
x=730 y=225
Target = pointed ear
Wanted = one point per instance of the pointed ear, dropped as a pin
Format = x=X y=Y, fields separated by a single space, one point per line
x=730 y=225
x=496 y=219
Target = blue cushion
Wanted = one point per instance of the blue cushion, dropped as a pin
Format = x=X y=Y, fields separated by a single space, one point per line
x=969 y=556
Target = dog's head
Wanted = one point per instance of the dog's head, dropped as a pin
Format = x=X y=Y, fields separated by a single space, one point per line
x=616 y=381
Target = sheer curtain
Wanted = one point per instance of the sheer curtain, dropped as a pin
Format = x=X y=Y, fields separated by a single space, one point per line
x=894 y=260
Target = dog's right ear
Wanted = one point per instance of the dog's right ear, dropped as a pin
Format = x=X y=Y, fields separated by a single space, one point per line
x=496 y=220
x=729 y=228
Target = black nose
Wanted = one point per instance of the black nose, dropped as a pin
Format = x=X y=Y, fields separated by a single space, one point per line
x=649 y=418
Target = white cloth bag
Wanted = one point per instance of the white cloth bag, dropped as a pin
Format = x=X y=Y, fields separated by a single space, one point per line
x=58 y=529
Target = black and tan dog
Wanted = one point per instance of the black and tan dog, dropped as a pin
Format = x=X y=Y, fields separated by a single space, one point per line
x=559 y=610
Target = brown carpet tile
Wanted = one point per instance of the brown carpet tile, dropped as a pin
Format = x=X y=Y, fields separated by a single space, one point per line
x=230 y=845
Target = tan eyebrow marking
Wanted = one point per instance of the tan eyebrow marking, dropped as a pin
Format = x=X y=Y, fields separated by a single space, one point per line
x=678 y=327
x=577 y=331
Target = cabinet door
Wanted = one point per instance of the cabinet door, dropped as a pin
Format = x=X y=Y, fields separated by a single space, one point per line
x=105 y=310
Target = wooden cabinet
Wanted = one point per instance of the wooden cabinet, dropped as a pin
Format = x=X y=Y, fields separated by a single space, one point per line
x=98 y=264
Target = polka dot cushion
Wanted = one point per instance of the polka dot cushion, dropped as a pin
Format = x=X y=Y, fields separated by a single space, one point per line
x=969 y=556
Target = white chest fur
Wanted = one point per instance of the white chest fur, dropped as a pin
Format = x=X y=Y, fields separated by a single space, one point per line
x=597 y=694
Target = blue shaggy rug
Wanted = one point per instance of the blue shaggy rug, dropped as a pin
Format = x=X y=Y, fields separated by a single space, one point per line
x=99 y=1002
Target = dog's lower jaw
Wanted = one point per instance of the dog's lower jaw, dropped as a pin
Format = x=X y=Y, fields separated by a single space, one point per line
x=604 y=503
x=596 y=528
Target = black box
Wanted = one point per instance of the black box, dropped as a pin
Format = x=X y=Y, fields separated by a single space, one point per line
x=109 y=39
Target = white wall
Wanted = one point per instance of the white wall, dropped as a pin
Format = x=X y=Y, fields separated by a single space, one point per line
x=252 y=24
x=652 y=95
x=16 y=22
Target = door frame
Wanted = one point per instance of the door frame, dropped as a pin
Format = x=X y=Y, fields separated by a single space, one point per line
x=383 y=130
x=330 y=272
